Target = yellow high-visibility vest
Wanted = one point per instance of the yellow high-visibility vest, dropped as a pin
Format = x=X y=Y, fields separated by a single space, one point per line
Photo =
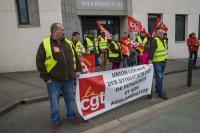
x=145 y=40
x=50 y=62
x=117 y=47
x=103 y=43
x=90 y=45
x=79 y=48
x=161 y=53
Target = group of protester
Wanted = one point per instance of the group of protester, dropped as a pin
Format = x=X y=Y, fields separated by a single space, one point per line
x=59 y=60
x=117 y=50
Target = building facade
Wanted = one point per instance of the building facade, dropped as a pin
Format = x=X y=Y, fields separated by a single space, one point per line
x=25 y=22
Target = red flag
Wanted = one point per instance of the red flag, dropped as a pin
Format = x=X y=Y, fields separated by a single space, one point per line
x=157 y=23
x=160 y=25
x=102 y=29
x=89 y=61
x=92 y=90
x=134 y=25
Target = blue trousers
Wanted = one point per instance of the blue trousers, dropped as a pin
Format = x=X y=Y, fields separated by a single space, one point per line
x=54 y=89
x=159 y=68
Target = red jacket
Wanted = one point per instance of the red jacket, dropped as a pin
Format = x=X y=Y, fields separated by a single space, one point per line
x=191 y=43
x=124 y=46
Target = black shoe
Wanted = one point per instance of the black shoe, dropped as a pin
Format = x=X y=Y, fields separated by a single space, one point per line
x=164 y=97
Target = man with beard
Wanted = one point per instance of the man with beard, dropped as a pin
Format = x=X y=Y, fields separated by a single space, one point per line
x=58 y=63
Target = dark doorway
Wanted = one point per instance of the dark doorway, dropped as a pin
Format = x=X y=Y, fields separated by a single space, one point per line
x=112 y=24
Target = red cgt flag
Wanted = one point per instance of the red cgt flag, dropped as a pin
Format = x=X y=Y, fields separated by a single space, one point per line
x=157 y=23
x=134 y=25
x=89 y=61
x=101 y=27
x=160 y=25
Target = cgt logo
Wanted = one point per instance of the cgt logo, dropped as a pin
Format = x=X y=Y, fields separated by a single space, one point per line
x=92 y=94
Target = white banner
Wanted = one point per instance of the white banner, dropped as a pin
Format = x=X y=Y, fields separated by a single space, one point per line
x=101 y=91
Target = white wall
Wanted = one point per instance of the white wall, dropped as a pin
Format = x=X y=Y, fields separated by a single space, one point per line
x=18 y=46
x=169 y=8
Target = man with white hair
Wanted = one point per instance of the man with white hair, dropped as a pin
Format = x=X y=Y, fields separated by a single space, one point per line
x=159 y=56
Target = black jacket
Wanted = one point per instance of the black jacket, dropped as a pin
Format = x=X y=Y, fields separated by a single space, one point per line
x=64 y=68
x=115 y=59
x=153 y=47
x=94 y=51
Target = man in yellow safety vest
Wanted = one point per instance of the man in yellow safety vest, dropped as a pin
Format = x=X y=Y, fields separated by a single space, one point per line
x=91 y=45
x=80 y=49
x=103 y=47
x=159 y=56
x=58 y=63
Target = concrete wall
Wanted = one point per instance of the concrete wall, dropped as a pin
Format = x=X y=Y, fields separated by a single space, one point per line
x=168 y=9
x=18 y=45
x=70 y=18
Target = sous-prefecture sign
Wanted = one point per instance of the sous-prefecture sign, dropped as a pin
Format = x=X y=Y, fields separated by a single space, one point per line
x=101 y=91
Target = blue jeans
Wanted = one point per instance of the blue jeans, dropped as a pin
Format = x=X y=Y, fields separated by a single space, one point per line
x=54 y=88
x=159 y=68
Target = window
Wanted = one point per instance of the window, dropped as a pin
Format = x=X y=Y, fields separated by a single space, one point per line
x=28 y=12
x=180 y=28
x=22 y=9
x=152 y=21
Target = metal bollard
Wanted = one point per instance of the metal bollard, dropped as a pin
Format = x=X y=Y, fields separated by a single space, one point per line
x=189 y=76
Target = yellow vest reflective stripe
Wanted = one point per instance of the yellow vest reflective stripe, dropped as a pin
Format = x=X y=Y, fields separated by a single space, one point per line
x=117 y=47
x=103 y=43
x=90 y=45
x=145 y=40
x=73 y=52
x=78 y=47
x=96 y=43
x=161 y=51
x=50 y=62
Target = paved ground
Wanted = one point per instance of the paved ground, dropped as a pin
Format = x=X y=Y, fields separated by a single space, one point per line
x=31 y=118
x=183 y=117
x=177 y=115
